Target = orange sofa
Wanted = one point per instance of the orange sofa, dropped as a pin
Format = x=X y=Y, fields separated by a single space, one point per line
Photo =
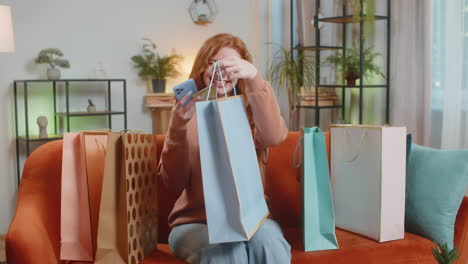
x=34 y=234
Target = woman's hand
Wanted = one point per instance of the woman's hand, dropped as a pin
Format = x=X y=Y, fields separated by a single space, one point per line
x=237 y=68
x=182 y=114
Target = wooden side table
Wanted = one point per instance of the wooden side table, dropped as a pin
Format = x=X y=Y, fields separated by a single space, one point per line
x=160 y=105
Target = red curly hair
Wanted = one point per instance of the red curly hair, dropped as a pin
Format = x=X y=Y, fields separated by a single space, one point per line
x=209 y=48
x=207 y=51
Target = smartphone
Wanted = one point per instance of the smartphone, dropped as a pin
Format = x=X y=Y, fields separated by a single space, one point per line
x=183 y=88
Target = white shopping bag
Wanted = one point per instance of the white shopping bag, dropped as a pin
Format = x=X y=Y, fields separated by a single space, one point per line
x=368 y=175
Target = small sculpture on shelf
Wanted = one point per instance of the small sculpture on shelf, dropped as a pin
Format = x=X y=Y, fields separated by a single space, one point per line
x=53 y=57
x=42 y=123
x=91 y=107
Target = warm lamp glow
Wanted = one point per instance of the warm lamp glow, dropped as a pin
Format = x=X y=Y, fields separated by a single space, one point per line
x=184 y=69
x=7 y=43
x=187 y=66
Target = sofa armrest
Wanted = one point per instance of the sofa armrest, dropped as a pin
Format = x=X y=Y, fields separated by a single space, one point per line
x=34 y=233
x=28 y=239
x=461 y=231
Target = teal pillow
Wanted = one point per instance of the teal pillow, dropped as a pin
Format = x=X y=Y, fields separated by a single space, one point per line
x=435 y=184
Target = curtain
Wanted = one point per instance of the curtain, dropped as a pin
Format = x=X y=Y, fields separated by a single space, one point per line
x=449 y=80
x=430 y=71
x=410 y=93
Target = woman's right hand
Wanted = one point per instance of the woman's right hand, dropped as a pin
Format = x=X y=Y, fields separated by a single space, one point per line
x=182 y=114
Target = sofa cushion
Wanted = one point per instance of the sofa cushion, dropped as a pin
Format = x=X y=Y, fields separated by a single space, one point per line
x=435 y=184
x=281 y=184
x=353 y=249
x=357 y=249
x=162 y=255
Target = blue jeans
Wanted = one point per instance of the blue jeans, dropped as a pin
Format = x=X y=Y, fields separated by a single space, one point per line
x=189 y=242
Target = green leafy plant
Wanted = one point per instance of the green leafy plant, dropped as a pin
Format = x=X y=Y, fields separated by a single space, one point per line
x=292 y=69
x=90 y=102
x=151 y=65
x=53 y=57
x=349 y=65
x=443 y=255
x=368 y=11
x=369 y=8
x=292 y=72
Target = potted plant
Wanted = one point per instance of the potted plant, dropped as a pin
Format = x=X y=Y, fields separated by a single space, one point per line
x=443 y=255
x=53 y=57
x=153 y=67
x=292 y=69
x=91 y=107
x=349 y=65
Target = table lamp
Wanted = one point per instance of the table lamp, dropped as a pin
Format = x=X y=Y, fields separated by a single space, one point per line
x=7 y=43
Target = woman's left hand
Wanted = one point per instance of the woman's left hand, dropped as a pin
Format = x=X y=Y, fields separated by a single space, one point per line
x=237 y=68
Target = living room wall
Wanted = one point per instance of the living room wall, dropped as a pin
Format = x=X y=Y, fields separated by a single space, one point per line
x=108 y=31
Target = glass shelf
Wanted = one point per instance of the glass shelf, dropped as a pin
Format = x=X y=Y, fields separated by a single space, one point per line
x=348 y=19
x=36 y=138
x=72 y=80
x=96 y=113
x=319 y=107
x=320 y=47
x=353 y=86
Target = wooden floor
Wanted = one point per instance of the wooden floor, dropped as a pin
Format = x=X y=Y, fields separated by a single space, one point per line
x=2 y=249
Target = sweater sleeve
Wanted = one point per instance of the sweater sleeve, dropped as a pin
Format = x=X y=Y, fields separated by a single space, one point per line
x=174 y=168
x=270 y=128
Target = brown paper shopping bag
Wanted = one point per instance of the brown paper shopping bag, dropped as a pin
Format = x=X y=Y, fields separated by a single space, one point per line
x=82 y=170
x=127 y=229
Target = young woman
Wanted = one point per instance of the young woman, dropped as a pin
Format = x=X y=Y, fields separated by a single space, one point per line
x=180 y=166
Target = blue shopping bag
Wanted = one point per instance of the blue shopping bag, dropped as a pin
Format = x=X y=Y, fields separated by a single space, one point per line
x=318 y=220
x=232 y=185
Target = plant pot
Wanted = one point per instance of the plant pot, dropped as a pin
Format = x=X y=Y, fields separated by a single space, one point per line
x=91 y=108
x=351 y=78
x=53 y=73
x=203 y=18
x=159 y=85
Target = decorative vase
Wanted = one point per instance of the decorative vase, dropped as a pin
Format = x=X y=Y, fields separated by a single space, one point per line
x=203 y=18
x=199 y=13
x=159 y=85
x=53 y=73
x=99 y=72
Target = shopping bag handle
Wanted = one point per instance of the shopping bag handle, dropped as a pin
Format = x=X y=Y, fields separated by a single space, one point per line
x=298 y=147
x=315 y=129
x=358 y=152
x=99 y=130
x=133 y=131
x=101 y=145
x=217 y=66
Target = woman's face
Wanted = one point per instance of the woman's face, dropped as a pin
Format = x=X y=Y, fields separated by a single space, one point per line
x=223 y=53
